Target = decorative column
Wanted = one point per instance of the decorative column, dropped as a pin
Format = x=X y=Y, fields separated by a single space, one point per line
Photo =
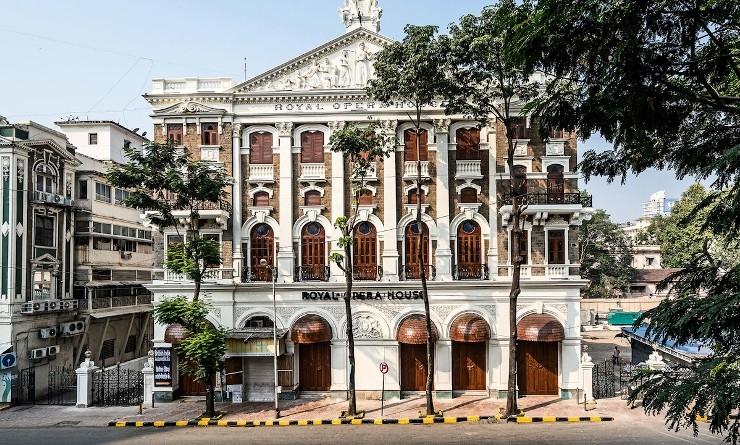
x=286 y=256
x=492 y=199
x=443 y=369
x=587 y=376
x=390 y=220
x=236 y=200
x=84 y=381
x=148 y=372
x=337 y=199
x=443 y=252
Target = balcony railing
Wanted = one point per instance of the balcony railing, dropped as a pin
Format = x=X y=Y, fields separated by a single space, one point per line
x=211 y=275
x=312 y=273
x=470 y=272
x=261 y=172
x=468 y=169
x=95 y=303
x=313 y=172
x=552 y=198
x=52 y=198
x=367 y=273
x=372 y=173
x=543 y=271
x=410 y=171
x=259 y=274
x=413 y=272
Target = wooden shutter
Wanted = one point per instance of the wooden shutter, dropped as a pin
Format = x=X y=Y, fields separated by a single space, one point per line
x=174 y=133
x=409 y=153
x=366 y=197
x=262 y=240
x=519 y=127
x=520 y=180
x=412 y=249
x=414 y=196
x=469 y=247
x=556 y=247
x=260 y=151
x=312 y=198
x=365 y=252
x=312 y=147
x=468 y=195
x=209 y=134
x=468 y=144
x=261 y=199
x=523 y=248
x=312 y=245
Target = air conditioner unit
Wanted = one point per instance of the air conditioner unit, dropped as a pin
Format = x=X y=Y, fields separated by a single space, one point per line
x=49 y=332
x=32 y=307
x=72 y=328
x=51 y=351
x=69 y=305
x=37 y=354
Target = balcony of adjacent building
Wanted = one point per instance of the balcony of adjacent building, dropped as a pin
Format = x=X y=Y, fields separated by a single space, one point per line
x=100 y=299
x=542 y=272
x=576 y=205
x=51 y=198
x=211 y=275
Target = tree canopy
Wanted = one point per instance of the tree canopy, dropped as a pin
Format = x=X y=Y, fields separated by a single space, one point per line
x=605 y=256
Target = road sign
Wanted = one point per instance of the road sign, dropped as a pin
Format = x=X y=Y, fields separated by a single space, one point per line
x=384 y=367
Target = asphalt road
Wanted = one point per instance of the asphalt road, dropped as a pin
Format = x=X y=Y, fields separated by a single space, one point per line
x=611 y=433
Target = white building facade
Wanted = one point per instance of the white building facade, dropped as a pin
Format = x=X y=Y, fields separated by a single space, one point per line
x=271 y=134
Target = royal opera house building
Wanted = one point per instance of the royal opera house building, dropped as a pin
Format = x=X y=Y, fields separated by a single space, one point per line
x=271 y=134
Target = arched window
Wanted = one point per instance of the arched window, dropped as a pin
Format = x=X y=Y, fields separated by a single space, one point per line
x=262 y=241
x=468 y=144
x=261 y=199
x=312 y=198
x=413 y=233
x=259 y=321
x=469 y=248
x=414 y=196
x=313 y=252
x=365 y=252
x=260 y=148
x=366 y=197
x=555 y=183
x=409 y=140
x=468 y=195
x=520 y=180
x=312 y=147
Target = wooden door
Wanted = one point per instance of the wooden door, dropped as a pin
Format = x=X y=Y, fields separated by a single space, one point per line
x=190 y=386
x=468 y=144
x=468 y=366
x=313 y=251
x=312 y=147
x=555 y=184
x=412 y=248
x=409 y=140
x=262 y=248
x=469 y=250
x=537 y=367
x=314 y=367
x=260 y=148
x=365 y=252
x=413 y=367
x=556 y=247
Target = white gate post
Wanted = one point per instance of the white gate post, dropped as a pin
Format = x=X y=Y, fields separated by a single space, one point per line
x=655 y=362
x=587 y=372
x=84 y=381
x=148 y=372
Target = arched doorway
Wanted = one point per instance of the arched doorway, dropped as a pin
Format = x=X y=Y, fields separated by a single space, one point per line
x=538 y=346
x=469 y=334
x=262 y=247
x=313 y=253
x=411 y=244
x=469 y=251
x=365 y=252
x=412 y=339
x=312 y=336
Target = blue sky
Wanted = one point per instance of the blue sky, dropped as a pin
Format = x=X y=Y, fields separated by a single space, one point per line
x=95 y=59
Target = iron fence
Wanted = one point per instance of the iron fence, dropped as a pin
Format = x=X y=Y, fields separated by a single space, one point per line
x=118 y=387
x=62 y=388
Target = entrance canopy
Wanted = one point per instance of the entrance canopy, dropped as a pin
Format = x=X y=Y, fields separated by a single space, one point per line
x=469 y=328
x=539 y=327
x=311 y=329
x=413 y=330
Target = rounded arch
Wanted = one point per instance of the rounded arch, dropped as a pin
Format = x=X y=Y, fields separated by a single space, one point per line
x=398 y=319
x=408 y=188
x=464 y=125
x=468 y=185
x=258 y=312
x=253 y=221
x=41 y=166
x=470 y=309
x=309 y=127
x=247 y=132
x=311 y=186
x=333 y=323
x=260 y=188
x=410 y=218
x=475 y=216
x=533 y=310
x=401 y=129
x=305 y=219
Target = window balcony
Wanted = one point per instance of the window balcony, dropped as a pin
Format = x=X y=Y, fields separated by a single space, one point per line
x=312 y=273
x=470 y=272
x=259 y=274
x=210 y=153
x=372 y=173
x=544 y=271
x=468 y=169
x=91 y=304
x=52 y=198
x=411 y=173
x=367 y=273
x=261 y=173
x=313 y=172
x=555 y=147
x=413 y=272
x=211 y=276
x=552 y=199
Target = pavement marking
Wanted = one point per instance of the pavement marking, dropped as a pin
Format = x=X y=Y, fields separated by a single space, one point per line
x=403 y=421
x=450 y=420
x=473 y=418
x=548 y=418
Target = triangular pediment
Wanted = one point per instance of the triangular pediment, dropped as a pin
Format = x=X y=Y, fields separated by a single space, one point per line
x=344 y=63
x=189 y=107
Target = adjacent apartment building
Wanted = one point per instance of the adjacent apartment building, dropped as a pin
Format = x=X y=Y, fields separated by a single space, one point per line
x=271 y=134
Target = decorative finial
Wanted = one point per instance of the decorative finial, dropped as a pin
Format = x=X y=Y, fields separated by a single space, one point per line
x=361 y=14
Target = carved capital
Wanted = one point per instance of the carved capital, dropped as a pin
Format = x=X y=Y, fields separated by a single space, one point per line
x=336 y=125
x=442 y=125
x=237 y=129
x=284 y=128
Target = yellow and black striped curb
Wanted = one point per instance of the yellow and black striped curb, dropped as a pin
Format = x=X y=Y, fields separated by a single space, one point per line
x=377 y=421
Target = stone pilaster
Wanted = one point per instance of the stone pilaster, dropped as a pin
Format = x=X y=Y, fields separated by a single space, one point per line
x=390 y=220
x=236 y=197
x=493 y=215
x=286 y=256
x=337 y=199
x=443 y=253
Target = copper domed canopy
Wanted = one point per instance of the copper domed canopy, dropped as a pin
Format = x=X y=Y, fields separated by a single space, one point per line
x=413 y=330
x=539 y=327
x=469 y=328
x=175 y=333
x=310 y=329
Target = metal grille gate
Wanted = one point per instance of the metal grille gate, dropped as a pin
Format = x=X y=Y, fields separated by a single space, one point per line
x=612 y=378
x=23 y=387
x=62 y=386
x=118 y=387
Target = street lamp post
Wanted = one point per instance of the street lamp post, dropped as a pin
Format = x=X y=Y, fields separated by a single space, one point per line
x=273 y=278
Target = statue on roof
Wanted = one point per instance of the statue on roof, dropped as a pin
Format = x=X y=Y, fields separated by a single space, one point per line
x=361 y=14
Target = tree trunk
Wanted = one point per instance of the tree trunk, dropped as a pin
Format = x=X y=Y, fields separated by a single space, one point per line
x=351 y=397
x=196 y=290
x=210 y=397
x=422 y=274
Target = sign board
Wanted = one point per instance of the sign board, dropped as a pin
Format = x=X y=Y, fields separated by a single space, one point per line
x=236 y=393
x=162 y=366
x=366 y=296
x=6 y=380
x=384 y=367
x=7 y=360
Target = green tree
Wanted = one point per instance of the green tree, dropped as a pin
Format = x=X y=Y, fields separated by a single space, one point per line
x=650 y=235
x=484 y=81
x=205 y=345
x=163 y=183
x=412 y=71
x=605 y=257
x=684 y=232
x=661 y=82
x=361 y=147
